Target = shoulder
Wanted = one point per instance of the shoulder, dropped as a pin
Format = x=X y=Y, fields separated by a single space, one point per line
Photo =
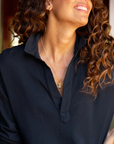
x=11 y=55
x=12 y=52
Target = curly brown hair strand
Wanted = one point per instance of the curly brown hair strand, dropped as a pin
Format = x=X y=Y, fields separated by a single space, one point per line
x=98 y=52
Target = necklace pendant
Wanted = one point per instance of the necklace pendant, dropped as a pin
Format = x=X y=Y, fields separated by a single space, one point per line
x=59 y=85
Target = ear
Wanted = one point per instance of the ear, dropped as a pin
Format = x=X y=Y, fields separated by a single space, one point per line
x=48 y=5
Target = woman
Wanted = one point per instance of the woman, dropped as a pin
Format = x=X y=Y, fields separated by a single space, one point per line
x=56 y=88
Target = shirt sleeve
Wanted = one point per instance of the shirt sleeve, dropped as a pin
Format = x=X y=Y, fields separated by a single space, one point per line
x=9 y=133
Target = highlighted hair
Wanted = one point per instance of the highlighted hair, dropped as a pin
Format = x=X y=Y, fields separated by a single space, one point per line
x=98 y=52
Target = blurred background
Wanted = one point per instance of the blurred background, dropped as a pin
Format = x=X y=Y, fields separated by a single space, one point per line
x=7 y=12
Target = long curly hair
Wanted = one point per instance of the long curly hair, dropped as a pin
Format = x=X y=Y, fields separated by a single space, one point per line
x=98 y=53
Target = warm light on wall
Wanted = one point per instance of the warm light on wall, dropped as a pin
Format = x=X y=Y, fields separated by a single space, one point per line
x=112 y=16
x=15 y=40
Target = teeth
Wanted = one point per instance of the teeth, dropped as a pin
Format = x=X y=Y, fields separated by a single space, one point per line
x=82 y=8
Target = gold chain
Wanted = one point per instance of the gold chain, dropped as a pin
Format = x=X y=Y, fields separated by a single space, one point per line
x=59 y=83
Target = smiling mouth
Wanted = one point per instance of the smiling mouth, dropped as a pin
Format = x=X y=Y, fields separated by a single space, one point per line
x=82 y=8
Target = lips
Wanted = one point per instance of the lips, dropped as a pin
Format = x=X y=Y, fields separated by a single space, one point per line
x=82 y=7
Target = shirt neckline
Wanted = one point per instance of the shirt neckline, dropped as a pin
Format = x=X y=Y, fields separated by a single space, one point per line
x=61 y=104
x=31 y=46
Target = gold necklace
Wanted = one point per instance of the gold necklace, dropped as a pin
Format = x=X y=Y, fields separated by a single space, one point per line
x=59 y=83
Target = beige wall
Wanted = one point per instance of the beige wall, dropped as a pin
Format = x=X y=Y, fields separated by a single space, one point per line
x=112 y=16
x=111 y=11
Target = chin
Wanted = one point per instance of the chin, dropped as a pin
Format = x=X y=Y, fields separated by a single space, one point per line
x=83 y=22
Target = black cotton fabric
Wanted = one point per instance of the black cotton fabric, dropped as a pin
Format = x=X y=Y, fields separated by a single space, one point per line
x=32 y=110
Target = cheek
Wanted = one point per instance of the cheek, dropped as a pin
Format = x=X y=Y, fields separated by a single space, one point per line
x=62 y=4
x=91 y=6
x=61 y=7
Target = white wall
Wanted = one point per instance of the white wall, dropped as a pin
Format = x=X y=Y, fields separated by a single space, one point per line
x=111 y=11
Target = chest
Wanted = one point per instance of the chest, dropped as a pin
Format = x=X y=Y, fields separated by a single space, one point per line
x=75 y=117
x=84 y=121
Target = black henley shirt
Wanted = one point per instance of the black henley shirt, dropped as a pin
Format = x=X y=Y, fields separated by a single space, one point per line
x=32 y=110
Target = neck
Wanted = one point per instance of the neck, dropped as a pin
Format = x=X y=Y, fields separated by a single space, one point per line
x=59 y=40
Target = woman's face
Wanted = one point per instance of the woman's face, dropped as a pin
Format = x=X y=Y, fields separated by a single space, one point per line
x=75 y=12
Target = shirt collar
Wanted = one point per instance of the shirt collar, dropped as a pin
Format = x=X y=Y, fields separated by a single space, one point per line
x=80 y=42
x=31 y=46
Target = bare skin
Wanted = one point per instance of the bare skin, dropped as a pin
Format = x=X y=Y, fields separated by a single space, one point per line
x=110 y=137
x=60 y=35
x=59 y=58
